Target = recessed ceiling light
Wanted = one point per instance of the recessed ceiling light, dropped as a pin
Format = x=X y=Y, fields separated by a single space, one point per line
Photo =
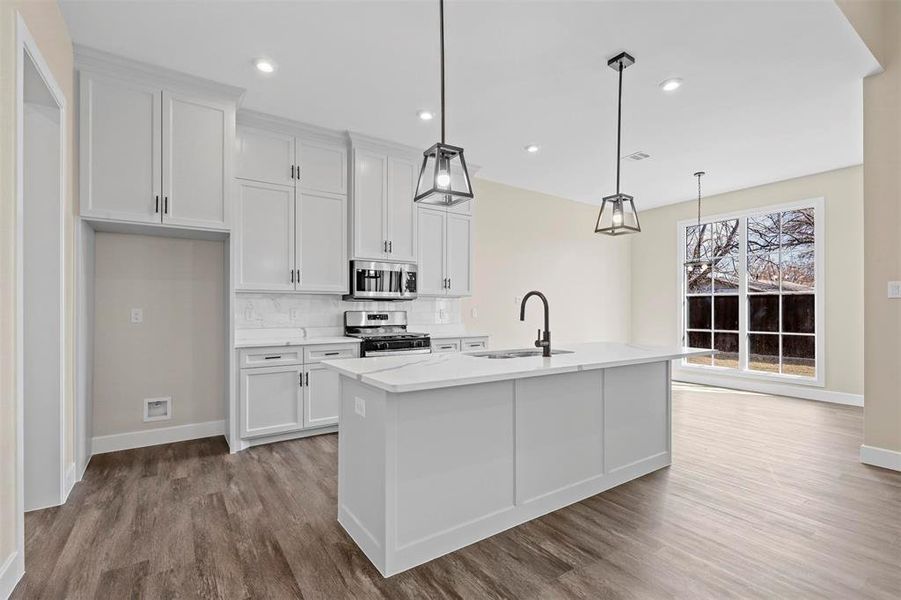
x=425 y=115
x=670 y=85
x=264 y=65
x=532 y=148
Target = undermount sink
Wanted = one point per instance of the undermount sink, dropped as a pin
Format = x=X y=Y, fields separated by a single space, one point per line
x=515 y=353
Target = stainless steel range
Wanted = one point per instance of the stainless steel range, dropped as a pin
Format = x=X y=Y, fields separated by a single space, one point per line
x=385 y=333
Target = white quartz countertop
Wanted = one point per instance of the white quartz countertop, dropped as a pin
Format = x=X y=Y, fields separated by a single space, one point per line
x=430 y=371
x=288 y=340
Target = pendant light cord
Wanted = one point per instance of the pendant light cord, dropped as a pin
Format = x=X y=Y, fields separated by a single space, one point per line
x=441 y=20
x=619 y=123
x=699 y=174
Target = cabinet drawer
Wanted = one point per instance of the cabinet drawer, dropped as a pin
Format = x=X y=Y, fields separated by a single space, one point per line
x=271 y=357
x=474 y=344
x=444 y=346
x=313 y=354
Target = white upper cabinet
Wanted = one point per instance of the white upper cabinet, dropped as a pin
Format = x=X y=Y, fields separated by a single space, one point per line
x=384 y=217
x=445 y=253
x=459 y=255
x=154 y=154
x=321 y=167
x=264 y=156
x=431 y=278
x=308 y=249
x=370 y=205
x=321 y=243
x=265 y=237
x=120 y=149
x=196 y=157
x=401 y=217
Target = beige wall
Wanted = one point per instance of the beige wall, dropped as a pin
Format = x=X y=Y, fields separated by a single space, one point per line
x=178 y=350
x=879 y=24
x=655 y=312
x=46 y=25
x=529 y=241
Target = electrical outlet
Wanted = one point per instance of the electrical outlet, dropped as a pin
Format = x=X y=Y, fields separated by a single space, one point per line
x=474 y=312
x=360 y=406
x=894 y=289
x=292 y=314
x=137 y=315
x=517 y=300
x=157 y=409
x=248 y=314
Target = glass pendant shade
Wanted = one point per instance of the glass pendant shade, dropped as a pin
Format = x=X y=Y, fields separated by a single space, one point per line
x=617 y=216
x=443 y=179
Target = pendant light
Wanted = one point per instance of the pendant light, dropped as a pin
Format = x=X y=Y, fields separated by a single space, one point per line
x=696 y=259
x=443 y=180
x=618 y=214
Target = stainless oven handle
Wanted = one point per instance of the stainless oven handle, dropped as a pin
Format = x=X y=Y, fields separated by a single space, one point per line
x=390 y=352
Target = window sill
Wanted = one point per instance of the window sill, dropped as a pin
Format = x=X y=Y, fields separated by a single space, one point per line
x=714 y=371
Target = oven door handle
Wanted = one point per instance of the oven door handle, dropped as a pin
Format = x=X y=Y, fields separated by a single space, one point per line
x=395 y=352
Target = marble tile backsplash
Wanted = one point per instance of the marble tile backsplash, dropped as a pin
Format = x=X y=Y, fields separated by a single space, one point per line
x=324 y=314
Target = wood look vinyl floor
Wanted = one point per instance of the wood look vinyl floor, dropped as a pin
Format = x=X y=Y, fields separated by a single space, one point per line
x=765 y=499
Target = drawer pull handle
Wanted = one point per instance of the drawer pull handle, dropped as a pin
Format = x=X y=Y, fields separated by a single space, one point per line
x=272 y=357
x=331 y=354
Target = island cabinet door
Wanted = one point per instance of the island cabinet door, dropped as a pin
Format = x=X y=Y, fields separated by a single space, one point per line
x=271 y=400
x=321 y=396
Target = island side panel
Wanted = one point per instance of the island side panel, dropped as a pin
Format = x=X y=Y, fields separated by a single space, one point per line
x=637 y=411
x=362 y=467
x=559 y=437
x=452 y=452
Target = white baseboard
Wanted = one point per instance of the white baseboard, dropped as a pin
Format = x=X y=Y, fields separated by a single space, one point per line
x=69 y=483
x=11 y=572
x=880 y=457
x=153 y=437
x=767 y=387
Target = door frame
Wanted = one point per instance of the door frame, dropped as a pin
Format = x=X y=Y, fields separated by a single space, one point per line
x=26 y=45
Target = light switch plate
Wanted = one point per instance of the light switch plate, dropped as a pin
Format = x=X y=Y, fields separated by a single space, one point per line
x=137 y=315
x=894 y=289
x=360 y=406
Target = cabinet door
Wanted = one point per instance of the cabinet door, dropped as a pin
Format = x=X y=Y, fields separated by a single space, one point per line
x=119 y=149
x=370 y=190
x=264 y=156
x=323 y=167
x=321 y=396
x=459 y=255
x=431 y=232
x=321 y=242
x=264 y=236
x=197 y=135
x=401 y=210
x=271 y=400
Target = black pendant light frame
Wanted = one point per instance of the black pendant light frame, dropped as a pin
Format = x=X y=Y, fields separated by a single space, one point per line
x=618 y=205
x=444 y=156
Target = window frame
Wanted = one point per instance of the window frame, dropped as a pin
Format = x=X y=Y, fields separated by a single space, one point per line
x=819 y=380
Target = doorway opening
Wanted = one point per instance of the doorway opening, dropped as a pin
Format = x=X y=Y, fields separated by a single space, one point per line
x=44 y=479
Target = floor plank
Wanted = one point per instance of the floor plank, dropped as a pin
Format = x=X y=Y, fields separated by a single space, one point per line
x=765 y=498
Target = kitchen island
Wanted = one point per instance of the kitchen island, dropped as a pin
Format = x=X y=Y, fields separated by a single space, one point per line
x=439 y=451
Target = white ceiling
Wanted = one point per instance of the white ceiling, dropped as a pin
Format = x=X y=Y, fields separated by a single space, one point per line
x=772 y=89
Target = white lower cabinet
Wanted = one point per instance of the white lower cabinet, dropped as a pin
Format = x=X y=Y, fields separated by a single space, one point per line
x=466 y=344
x=289 y=398
x=321 y=396
x=271 y=400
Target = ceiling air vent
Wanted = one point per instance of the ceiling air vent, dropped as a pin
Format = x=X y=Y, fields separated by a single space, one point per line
x=636 y=156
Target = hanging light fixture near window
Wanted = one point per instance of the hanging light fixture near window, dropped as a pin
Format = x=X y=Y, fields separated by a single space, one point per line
x=618 y=214
x=443 y=179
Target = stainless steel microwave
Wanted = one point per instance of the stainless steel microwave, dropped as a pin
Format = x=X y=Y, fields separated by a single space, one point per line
x=379 y=281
